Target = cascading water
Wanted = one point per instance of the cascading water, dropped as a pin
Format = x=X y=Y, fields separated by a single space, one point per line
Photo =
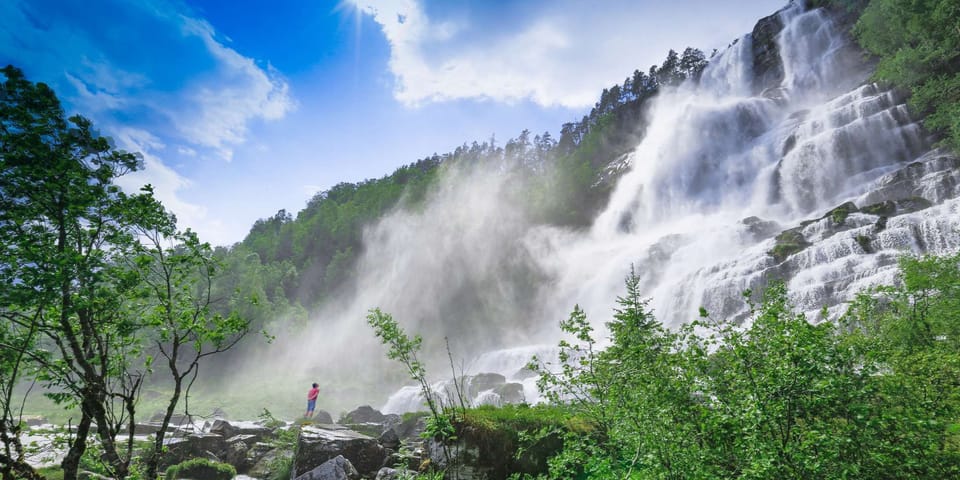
x=725 y=166
x=715 y=155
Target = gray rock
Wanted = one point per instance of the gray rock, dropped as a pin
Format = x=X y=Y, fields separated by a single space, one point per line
x=410 y=429
x=322 y=416
x=337 y=468
x=175 y=420
x=761 y=229
x=510 y=393
x=387 y=473
x=482 y=382
x=363 y=414
x=317 y=445
x=767 y=67
x=268 y=460
x=230 y=429
x=237 y=454
x=390 y=439
x=206 y=445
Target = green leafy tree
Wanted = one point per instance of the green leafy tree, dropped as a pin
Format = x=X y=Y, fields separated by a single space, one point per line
x=875 y=395
x=16 y=344
x=918 y=44
x=176 y=274
x=65 y=225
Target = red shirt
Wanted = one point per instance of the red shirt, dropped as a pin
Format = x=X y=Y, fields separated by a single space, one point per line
x=313 y=393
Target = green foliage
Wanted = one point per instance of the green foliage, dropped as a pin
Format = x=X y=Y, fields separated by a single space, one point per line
x=268 y=420
x=51 y=473
x=873 y=396
x=839 y=215
x=440 y=427
x=201 y=468
x=281 y=467
x=918 y=43
x=525 y=418
x=788 y=242
x=65 y=231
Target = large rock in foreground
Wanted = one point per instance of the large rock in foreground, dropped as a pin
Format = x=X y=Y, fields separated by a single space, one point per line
x=337 y=468
x=318 y=444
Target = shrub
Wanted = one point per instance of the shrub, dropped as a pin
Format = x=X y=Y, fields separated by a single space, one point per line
x=201 y=469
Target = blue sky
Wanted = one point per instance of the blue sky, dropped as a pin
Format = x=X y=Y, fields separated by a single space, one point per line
x=242 y=108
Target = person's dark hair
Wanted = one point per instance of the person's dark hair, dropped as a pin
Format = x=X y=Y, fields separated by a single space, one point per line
x=315 y=385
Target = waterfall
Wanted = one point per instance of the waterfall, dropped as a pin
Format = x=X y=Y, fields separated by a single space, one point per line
x=715 y=154
x=724 y=167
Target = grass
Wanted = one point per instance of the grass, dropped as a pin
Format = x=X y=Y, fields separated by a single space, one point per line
x=518 y=418
x=51 y=473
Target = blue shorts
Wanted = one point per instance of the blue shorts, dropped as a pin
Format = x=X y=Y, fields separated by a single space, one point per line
x=311 y=404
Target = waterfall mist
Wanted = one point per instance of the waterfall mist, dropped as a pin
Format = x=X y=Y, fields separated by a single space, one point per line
x=721 y=170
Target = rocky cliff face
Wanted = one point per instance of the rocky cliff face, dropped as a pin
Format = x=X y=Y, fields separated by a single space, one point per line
x=767 y=67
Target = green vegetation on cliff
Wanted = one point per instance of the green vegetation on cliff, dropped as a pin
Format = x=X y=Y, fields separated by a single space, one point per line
x=917 y=43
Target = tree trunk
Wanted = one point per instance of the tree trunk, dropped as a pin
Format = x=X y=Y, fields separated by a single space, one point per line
x=153 y=462
x=71 y=462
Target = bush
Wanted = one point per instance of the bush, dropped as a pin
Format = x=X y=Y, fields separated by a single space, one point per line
x=201 y=469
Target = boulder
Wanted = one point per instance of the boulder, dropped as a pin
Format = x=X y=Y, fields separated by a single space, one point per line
x=269 y=460
x=317 y=445
x=761 y=229
x=231 y=429
x=197 y=445
x=409 y=430
x=390 y=439
x=364 y=414
x=387 y=473
x=175 y=420
x=369 y=421
x=483 y=455
x=510 y=393
x=337 y=468
x=322 y=416
x=239 y=452
x=482 y=382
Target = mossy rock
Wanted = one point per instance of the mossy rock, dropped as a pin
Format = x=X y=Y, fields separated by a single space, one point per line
x=788 y=243
x=201 y=469
x=839 y=215
x=864 y=242
x=883 y=209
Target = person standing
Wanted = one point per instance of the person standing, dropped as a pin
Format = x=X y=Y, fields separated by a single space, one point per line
x=312 y=400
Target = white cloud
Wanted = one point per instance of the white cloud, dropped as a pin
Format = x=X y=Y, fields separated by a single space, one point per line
x=172 y=80
x=239 y=92
x=564 y=54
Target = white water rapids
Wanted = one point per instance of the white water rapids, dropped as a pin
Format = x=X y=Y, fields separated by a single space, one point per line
x=469 y=267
